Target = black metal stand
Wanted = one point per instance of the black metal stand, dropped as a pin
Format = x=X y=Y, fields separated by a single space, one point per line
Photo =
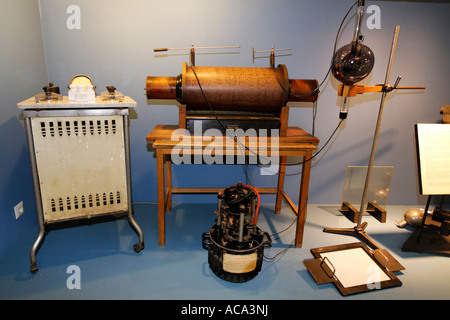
x=422 y=225
x=430 y=237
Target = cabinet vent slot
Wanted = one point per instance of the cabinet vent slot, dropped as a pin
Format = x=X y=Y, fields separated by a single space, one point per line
x=64 y=204
x=67 y=128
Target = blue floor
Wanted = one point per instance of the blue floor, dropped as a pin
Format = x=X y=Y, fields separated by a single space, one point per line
x=110 y=269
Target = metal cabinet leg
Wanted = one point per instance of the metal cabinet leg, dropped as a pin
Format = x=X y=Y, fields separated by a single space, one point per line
x=34 y=249
x=40 y=239
x=140 y=245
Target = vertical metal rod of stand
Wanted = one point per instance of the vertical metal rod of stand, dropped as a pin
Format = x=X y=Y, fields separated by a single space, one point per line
x=377 y=129
x=422 y=224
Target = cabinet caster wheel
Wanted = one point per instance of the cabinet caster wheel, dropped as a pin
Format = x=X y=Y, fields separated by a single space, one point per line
x=34 y=268
x=138 y=247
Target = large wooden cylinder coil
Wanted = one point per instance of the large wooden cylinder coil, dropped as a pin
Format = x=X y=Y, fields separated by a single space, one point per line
x=261 y=90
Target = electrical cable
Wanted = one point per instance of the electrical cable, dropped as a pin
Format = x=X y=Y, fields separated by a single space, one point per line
x=272 y=259
x=220 y=123
x=326 y=75
x=331 y=65
x=323 y=81
x=318 y=152
x=243 y=145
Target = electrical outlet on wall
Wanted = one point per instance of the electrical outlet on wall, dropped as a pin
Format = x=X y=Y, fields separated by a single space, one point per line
x=19 y=210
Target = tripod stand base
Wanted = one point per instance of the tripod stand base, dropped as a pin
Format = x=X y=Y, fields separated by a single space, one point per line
x=359 y=233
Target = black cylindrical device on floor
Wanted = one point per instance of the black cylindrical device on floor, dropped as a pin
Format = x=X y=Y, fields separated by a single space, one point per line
x=235 y=244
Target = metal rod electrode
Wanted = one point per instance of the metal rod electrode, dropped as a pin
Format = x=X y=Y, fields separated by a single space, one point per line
x=188 y=48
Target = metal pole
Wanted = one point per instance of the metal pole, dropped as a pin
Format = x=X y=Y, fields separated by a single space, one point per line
x=126 y=128
x=187 y=48
x=377 y=129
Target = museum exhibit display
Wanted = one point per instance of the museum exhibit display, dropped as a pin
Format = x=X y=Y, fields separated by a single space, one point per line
x=281 y=151
x=80 y=157
x=233 y=101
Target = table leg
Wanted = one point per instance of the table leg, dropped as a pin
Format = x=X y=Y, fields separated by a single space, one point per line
x=161 y=204
x=168 y=199
x=280 y=187
x=303 y=199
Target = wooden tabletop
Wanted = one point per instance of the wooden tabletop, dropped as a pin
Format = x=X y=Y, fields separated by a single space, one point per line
x=162 y=135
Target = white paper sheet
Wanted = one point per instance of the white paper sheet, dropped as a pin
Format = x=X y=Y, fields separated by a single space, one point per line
x=355 y=267
x=434 y=157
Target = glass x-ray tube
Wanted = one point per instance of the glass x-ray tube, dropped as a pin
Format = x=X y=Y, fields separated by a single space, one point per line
x=352 y=64
x=359 y=18
x=344 y=108
x=354 y=61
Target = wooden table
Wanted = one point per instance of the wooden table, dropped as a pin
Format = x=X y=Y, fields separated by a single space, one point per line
x=297 y=142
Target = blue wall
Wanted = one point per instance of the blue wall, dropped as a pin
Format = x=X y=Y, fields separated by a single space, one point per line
x=23 y=73
x=115 y=43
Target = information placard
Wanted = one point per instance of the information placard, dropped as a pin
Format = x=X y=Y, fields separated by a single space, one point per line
x=433 y=154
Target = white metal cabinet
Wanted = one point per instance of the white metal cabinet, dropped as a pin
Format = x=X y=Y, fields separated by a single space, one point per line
x=80 y=162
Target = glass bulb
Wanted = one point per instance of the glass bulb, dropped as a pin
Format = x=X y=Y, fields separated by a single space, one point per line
x=352 y=64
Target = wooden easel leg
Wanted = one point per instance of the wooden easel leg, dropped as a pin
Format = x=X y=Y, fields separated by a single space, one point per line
x=303 y=199
x=280 y=187
x=168 y=203
x=161 y=204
